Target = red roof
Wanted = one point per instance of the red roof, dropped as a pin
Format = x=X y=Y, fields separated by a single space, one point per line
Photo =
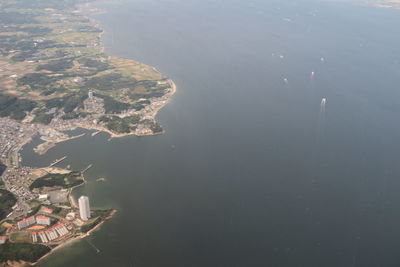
x=27 y=219
x=54 y=227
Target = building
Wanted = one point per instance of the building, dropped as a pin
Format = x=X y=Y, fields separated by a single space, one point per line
x=70 y=216
x=34 y=237
x=42 y=220
x=47 y=210
x=26 y=223
x=53 y=233
x=84 y=208
x=43 y=197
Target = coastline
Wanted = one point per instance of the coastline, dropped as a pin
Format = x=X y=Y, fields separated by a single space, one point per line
x=42 y=148
x=53 y=134
x=63 y=244
x=74 y=239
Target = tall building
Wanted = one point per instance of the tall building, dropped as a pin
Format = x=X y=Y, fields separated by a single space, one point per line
x=84 y=208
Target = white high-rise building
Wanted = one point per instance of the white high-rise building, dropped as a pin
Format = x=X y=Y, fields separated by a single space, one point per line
x=84 y=208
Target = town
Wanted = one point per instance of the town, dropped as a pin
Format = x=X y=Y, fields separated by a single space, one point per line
x=50 y=226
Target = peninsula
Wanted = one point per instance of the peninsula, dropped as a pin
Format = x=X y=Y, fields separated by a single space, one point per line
x=55 y=77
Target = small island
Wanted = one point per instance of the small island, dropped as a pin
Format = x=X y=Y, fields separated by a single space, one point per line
x=55 y=77
x=395 y=4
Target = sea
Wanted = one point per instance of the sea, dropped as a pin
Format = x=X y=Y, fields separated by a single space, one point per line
x=282 y=142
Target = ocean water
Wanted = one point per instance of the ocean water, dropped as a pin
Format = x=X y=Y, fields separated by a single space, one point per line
x=252 y=170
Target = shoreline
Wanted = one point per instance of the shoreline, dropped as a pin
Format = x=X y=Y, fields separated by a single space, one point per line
x=43 y=148
x=53 y=134
x=85 y=10
x=74 y=239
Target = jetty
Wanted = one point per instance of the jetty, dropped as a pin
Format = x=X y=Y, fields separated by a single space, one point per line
x=57 y=161
x=93 y=246
x=87 y=168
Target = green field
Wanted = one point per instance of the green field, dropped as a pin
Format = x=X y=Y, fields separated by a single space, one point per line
x=67 y=180
x=22 y=251
x=20 y=237
x=7 y=200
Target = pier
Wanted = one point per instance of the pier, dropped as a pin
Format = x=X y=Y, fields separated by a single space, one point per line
x=95 y=133
x=57 y=161
x=87 y=168
x=93 y=246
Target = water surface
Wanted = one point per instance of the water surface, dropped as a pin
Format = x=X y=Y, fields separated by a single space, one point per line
x=249 y=172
